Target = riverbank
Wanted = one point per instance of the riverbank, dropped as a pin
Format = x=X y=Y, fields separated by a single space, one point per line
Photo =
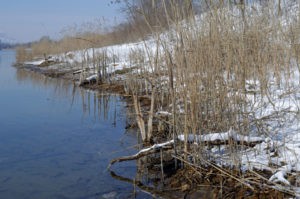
x=187 y=180
x=57 y=139
x=216 y=93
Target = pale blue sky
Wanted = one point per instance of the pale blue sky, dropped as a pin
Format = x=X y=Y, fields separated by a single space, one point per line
x=27 y=20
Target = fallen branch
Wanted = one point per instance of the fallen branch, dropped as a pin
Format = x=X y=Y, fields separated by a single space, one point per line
x=209 y=139
x=153 y=149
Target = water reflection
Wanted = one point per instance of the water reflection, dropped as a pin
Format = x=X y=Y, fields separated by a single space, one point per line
x=56 y=139
x=95 y=104
x=60 y=87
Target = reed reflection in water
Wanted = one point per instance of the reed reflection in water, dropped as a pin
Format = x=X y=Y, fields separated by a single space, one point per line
x=96 y=104
x=56 y=139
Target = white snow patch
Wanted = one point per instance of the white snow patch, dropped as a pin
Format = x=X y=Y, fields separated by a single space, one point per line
x=35 y=63
x=92 y=77
x=224 y=136
x=163 y=113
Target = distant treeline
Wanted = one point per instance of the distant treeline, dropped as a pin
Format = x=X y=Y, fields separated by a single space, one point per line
x=143 y=18
x=6 y=45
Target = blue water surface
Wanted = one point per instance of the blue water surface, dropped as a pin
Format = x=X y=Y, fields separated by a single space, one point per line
x=56 y=139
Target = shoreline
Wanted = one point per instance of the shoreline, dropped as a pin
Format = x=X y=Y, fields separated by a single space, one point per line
x=184 y=181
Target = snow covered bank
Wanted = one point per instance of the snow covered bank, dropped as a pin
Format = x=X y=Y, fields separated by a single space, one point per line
x=230 y=86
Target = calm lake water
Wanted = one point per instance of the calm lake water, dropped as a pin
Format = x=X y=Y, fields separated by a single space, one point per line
x=56 y=140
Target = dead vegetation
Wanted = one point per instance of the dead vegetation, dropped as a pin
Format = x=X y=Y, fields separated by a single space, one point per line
x=212 y=63
x=197 y=78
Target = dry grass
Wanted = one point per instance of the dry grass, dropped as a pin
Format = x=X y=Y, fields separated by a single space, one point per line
x=210 y=62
